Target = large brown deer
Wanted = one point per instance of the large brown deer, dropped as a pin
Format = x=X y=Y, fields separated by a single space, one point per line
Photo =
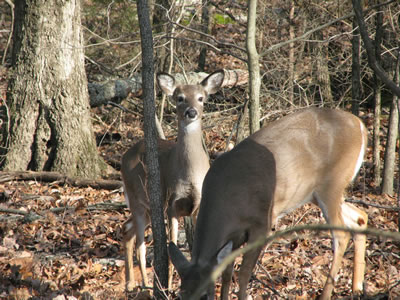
x=308 y=156
x=183 y=165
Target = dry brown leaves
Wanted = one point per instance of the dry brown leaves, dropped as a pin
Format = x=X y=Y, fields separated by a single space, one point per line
x=74 y=252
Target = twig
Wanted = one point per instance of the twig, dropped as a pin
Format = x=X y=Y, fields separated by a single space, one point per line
x=14 y=211
x=264 y=284
x=209 y=36
x=390 y=208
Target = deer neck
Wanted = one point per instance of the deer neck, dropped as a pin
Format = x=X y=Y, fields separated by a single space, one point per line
x=190 y=150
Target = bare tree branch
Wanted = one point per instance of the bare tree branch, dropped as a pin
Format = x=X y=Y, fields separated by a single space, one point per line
x=369 y=47
x=308 y=33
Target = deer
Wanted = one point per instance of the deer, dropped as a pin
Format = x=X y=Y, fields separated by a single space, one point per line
x=183 y=166
x=309 y=156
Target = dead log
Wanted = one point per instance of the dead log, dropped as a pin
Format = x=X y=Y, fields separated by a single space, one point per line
x=117 y=90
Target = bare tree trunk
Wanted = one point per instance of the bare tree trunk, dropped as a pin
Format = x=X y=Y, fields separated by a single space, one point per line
x=254 y=67
x=377 y=98
x=291 y=52
x=160 y=24
x=390 y=151
x=154 y=185
x=240 y=131
x=49 y=127
x=355 y=70
x=205 y=23
x=398 y=154
x=322 y=70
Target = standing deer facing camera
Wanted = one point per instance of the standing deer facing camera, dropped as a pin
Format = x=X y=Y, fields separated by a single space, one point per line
x=309 y=156
x=183 y=165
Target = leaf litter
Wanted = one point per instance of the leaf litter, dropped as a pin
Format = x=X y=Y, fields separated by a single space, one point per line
x=73 y=252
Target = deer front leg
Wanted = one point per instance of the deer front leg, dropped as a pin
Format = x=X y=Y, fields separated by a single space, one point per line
x=226 y=282
x=249 y=261
x=173 y=235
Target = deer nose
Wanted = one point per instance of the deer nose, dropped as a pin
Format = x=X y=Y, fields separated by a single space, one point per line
x=191 y=113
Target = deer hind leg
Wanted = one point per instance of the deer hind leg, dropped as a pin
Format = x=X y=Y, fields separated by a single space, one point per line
x=141 y=223
x=344 y=214
x=330 y=204
x=129 y=241
x=356 y=218
x=249 y=261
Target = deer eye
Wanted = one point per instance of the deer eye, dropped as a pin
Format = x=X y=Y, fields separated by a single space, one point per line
x=180 y=99
x=201 y=99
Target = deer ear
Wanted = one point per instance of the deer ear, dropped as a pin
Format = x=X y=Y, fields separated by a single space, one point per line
x=212 y=83
x=224 y=252
x=166 y=83
x=178 y=259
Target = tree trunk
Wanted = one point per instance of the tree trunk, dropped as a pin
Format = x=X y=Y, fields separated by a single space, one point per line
x=390 y=151
x=49 y=126
x=240 y=130
x=153 y=169
x=377 y=98
x=355 y=70
x=160 y=24
x=254 y=67
x=205 y=23
x=322 y=70
x=291 y=52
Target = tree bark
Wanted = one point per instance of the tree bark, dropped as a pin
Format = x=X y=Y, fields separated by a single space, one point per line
x=254 y=67
x=291 y=61
x=390 y=150
x=49 y=126
x=377 y=103
x=355 y=70
x=322 y=71
x=154 y=186
x=205 y=23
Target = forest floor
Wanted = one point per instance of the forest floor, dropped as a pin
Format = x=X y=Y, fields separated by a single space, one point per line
x=74 y=251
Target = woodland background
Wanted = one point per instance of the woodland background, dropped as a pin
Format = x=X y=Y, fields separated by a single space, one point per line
x=60 y=236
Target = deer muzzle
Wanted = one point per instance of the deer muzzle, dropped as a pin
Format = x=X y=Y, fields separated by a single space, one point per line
x=191 y=113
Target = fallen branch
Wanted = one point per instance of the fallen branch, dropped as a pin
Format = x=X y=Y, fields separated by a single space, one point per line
x=113 y=90
x=30 y=216
x=117 y=90
x=60 y=178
